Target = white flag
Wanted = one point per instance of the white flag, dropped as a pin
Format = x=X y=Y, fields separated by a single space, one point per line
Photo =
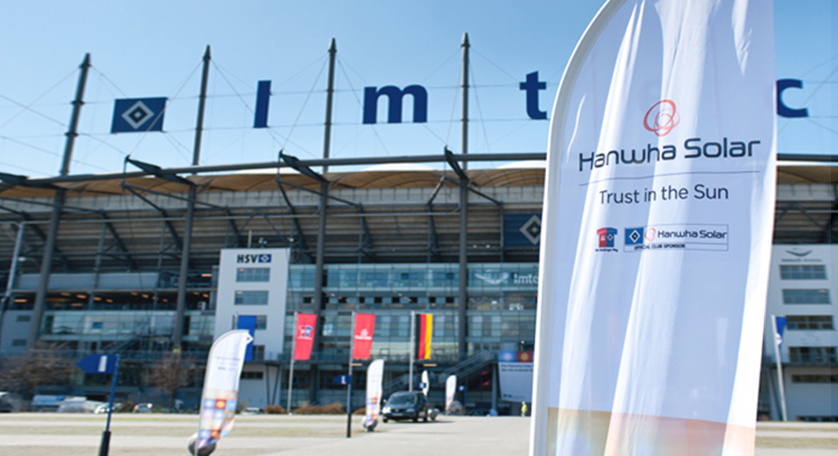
x=221 y=386
x=375 y=375
x=657 y=229
x=450 y=391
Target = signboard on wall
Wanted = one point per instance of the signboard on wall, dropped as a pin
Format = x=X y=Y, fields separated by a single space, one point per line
x=522 y=230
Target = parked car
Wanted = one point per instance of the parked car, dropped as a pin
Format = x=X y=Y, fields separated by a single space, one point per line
x=251 y=411
x=144 y=407
x=405 y=405
x=104 y=408
x=10 y=402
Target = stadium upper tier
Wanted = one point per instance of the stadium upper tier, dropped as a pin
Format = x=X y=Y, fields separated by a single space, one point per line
x=396 y=213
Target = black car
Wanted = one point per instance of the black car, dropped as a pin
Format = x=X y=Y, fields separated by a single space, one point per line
x=405 y=405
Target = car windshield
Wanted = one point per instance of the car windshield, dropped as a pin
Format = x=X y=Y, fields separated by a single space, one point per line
x=401 y=400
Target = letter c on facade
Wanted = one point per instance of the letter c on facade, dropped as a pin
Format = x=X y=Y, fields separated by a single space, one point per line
x=782 y=109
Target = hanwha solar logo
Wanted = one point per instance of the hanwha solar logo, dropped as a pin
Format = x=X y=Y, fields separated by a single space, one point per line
x=661 y=118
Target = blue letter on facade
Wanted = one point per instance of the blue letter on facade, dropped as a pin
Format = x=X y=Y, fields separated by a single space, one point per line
x=782 y=109
x=263 y=94
x=394 y=96
x=532 y=86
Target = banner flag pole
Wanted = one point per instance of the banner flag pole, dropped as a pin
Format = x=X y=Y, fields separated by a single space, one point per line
x=349 y=383
x=411 y=350
x=778 y=340
x=291 y=369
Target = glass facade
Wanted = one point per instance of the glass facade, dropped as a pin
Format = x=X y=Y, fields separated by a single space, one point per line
x=500 y=310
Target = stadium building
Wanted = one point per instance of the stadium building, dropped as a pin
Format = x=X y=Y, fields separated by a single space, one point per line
x=140 y=267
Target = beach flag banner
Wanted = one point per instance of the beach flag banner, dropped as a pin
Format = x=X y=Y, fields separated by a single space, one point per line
x=138 y=115
x=450 y=391
x=425 y=326
x=375 y=376
x=304 y=338
x=221 y=387
x=656 y=233
x=364 y=330
x=426 y=384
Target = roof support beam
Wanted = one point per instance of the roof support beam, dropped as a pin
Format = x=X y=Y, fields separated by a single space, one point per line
x=299 y=237
x=162 y=212
x=132 y=265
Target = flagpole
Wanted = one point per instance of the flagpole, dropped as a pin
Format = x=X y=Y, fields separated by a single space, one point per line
x=782 y=387
x=410 y=350
x=349 y=385
x=291 y=370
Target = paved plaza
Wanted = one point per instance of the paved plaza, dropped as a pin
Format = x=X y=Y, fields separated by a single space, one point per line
x=48 y=434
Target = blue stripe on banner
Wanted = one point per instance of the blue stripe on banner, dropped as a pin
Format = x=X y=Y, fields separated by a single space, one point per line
x=263 y=98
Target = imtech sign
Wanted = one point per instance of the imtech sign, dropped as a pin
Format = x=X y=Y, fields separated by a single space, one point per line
x=419 y=94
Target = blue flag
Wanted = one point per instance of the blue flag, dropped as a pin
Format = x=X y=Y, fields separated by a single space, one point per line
x=247 y=322
x=780 y=325
x=138 y=114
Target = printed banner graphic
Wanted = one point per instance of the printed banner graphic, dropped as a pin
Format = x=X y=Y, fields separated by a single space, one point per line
x=221 y=386
x=364 y=329
x=304 y=338
x=425 y=328
x=138 y=114
x=655 y=248
x=515 y=381
x=450 y=391
x=375 y=375
x=426 y=384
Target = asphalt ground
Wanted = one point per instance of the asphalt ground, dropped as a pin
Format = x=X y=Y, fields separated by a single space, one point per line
x=48 y=434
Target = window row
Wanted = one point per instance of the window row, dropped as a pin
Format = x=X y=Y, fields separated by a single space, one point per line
x=251 y=298
x=253 y=275
x=802 y=272
x=800 y=322
x=806 y=296
x=418 y=276
x=814 y=378
x=812 y=355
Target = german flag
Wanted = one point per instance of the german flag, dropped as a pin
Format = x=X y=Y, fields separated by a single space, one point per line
x=425 y=328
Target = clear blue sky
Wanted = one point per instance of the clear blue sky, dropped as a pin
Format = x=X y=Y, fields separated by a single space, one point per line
x=154 y=49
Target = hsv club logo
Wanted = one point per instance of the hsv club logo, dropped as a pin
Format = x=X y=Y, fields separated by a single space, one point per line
x=305 y=332
x=661 y=118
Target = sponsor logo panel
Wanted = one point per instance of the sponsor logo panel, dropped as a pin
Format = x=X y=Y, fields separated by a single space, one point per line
x=677 y=237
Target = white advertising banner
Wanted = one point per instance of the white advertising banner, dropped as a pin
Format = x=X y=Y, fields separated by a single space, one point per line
x=450 y=391
x=656 y=234
x=426 y=384
x=515 y=382
x=375 y=376
x=221 y=386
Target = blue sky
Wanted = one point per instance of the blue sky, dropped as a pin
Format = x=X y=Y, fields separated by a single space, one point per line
x=154 y=49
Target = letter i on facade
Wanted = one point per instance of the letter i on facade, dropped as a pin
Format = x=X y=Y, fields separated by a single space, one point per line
x=263 y=98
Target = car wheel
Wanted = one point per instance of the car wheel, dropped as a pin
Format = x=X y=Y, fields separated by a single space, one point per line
x=384 y=419
x=416 y=418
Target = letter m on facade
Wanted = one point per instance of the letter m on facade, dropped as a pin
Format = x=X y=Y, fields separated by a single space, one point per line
x=394 y=97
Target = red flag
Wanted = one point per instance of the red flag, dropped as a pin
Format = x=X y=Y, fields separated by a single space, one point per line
x=306 y=325
x=364 y=328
